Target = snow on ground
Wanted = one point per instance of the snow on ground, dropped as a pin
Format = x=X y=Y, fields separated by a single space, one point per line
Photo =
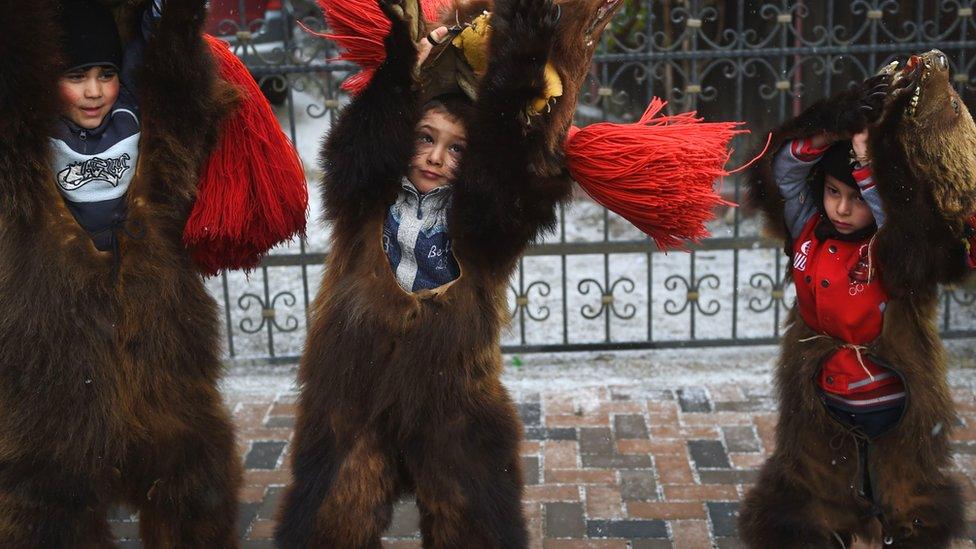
x=650 y=289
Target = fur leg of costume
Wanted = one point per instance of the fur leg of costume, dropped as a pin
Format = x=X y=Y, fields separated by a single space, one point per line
x=109 y=364
x=825 y=481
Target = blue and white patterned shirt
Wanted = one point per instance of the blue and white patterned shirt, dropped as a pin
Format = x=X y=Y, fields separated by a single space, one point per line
x=416 y=239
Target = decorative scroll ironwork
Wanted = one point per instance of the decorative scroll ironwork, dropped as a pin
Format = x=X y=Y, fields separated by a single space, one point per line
x=608 y=298
x=268 y=312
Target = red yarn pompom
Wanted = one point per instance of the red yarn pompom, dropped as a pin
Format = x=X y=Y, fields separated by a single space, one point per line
x=658 y=173
x=252 y=193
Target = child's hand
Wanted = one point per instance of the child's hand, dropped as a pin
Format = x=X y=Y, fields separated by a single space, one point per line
x=426 y=45
x=859 y=142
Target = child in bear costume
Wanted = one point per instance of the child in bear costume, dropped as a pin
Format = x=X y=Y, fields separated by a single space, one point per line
x=865 y=410
x=400 y=389
x=109 y=340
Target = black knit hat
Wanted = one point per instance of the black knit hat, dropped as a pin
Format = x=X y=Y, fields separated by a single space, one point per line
x=90 y=36
x=836 y=162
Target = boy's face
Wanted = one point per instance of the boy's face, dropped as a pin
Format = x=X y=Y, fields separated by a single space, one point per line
x=87 y=95
x=845 y=207
x=439 y=146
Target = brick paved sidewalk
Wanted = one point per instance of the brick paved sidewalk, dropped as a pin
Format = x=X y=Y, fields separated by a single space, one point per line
x=606 y=467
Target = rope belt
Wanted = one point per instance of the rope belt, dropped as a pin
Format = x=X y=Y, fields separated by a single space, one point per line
x=858 y=349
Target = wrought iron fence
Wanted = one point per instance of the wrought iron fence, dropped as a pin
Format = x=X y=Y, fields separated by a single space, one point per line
x=597 y=283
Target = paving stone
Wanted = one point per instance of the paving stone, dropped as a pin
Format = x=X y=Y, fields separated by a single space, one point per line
x=406 y=520
x=741 y=439
x=626 y=529
x=596 y=419
x=560 y=454
x=629 y=426
x=564 y=520
x=691 y=533
x=708 y=454
x=666 y=510
x=694 y=399
x=730 y=476
x=723 y=515
x=552 y=492
x=264 y=455
x=674 y=469
x=584 y=544
x=280 y=422
x=604 y=502
x=558 y=433
x=637 y=485
x=531 y=413
x=252 y=494
x=730 y=543
x=744 y=406
x=261 y=530
x=269 y=506
x=700 y=492
x=596 y=440
x=530 y=469
x=647 y=543
x=245 y=515
x=618 y=461
x=579 y=476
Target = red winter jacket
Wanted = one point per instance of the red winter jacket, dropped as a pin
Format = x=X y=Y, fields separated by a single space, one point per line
x=838 y=287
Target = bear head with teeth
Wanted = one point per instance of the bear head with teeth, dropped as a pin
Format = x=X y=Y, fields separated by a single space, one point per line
x=923 y=159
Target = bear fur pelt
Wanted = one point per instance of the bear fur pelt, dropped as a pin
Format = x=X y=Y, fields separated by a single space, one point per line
x=401 y=391
x=809 y=493
x=109 y=365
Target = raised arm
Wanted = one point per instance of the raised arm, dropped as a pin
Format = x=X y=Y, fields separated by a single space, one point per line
x=368 y=149
x=28 y=105
x=837 y=117
x=500 y=200
x=182 y=102
x=791 y=167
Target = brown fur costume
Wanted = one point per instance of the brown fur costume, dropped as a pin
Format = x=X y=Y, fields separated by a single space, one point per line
x=108 y=372
x=401 y=391
x=811 y=492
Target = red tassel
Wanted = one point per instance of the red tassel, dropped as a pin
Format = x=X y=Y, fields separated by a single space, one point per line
x=359 y=28
x=658 y=173
x=252 y=193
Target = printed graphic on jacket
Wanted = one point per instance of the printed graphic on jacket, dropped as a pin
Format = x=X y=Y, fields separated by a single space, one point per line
x=860 y=274
x=78 y=174
x=94 y=177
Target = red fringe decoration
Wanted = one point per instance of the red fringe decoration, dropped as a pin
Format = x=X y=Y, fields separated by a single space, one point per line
x=658 y=173
x=252 y=193
x=359 y=28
